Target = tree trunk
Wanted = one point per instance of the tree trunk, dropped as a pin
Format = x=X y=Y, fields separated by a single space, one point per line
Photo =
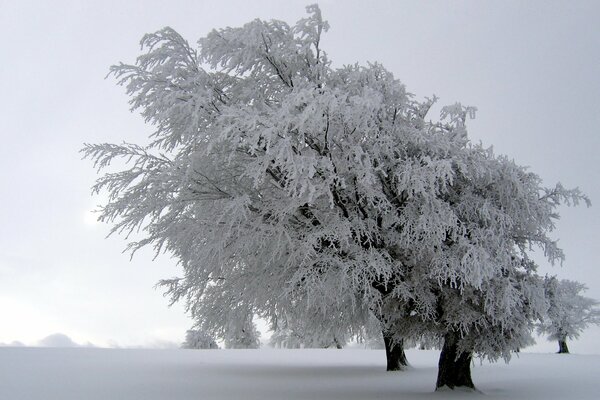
x=394 y=353
x=454 y=370
x=562 y=347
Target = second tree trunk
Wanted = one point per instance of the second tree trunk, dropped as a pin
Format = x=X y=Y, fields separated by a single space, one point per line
x=454 y=367
x=394 y=353
x=562 y=347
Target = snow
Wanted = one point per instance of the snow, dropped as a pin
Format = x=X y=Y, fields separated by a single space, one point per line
x=92 y=373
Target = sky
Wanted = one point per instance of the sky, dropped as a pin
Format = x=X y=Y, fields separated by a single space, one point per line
x=530 y=67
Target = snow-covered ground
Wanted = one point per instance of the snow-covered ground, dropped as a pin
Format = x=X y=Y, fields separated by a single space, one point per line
x=118 y=374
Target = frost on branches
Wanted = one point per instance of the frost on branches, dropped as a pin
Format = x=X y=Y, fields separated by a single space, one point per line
x=569 y=312
x=292 y=188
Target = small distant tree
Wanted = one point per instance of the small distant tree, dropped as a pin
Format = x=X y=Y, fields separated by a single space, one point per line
x=286 y=338
x=569 y=312
x=293 y=339
x=241 y=333
x=296 y=334
x=198 y=339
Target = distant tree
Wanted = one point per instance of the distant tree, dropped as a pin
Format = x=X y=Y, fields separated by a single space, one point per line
x=287 y=339
x=293 y=339
x=569 y=312
x=198 y=339
x=282 y=184
x=241 y=333
x=300 y=334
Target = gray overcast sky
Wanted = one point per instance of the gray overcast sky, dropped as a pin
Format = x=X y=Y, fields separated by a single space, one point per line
x=531 y=68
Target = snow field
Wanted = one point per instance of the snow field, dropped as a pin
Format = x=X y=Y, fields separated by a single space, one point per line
x=349 y=374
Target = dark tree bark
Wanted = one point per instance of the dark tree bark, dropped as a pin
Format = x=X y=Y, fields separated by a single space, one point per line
x=394 y=353
x=454 y=368
x=562 y=347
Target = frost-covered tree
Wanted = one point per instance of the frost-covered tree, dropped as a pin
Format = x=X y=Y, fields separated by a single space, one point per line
x=198 y=339
x=569 y=313
x=288 y=187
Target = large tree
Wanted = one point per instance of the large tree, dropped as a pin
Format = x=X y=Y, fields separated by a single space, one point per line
x=278 y=182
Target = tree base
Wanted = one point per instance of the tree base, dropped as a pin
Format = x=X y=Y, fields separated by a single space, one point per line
x=394 y=353
x=454 y=369
x=562 y=347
